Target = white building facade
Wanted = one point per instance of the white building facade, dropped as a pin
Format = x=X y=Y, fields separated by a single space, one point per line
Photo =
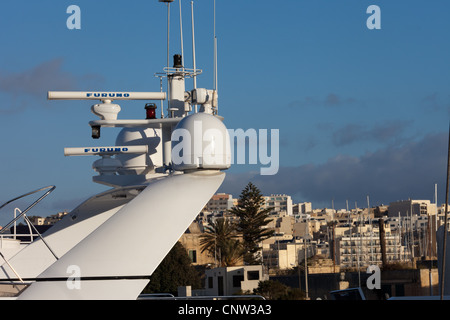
x=279 y=203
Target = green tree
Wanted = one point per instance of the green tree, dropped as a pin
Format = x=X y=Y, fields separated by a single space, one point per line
x=252 y=220
x=274 y=290
x=221 y=241
x=174 y=271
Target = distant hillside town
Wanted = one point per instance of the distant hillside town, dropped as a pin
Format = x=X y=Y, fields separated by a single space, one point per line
x=330 y=242
x=401 y=234
x=345 y=237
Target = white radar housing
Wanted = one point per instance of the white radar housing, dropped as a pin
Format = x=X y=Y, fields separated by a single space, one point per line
x=200 y=141
x=106 y=111
x=149 y=138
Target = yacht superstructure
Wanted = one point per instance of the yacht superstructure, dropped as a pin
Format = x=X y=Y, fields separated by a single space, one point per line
x=161 y=171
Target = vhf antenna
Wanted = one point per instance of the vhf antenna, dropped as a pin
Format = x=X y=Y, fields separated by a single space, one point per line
x=168 y=48
x=215 y=86
x=168 y=2
x=194 y=78
x=181 y=35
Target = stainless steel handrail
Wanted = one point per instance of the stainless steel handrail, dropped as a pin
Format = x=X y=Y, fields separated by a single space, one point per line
x=30 y=193
x=27 y=209
x=23 y=214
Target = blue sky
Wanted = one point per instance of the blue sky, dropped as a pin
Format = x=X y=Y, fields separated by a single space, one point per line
x=360 y=112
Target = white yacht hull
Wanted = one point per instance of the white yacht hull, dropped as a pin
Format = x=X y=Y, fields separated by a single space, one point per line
x=116 y=260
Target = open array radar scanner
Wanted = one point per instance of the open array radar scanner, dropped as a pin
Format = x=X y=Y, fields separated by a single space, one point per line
x=160 y=172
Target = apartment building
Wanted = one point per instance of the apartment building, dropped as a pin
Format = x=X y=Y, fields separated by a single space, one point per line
x=364 y=250
x=279 y=203
x=220 y=203
x=287 y=254
x=416 y=207
x=301 y=208
x=281 y=223
x=307 y=228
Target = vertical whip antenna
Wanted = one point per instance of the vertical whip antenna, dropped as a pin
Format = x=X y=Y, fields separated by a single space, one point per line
x=215 y=86
x=181 y=36
x=168 y=54
x=168 y=30
x=194 y=77
x=168 y=48
x=215 y=48
x=168 y=60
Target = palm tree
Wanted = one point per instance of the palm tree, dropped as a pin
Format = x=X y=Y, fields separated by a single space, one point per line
x=221 y=241
x=231 y=253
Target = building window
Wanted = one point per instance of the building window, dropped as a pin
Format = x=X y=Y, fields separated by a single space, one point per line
x=252 y=275
x=193 y=255
x=237 y=281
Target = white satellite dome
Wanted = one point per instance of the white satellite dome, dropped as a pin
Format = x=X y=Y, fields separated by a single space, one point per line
x=139 y=163
x=200 y=141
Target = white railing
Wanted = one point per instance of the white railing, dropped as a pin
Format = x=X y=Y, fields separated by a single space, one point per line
x=22 y=214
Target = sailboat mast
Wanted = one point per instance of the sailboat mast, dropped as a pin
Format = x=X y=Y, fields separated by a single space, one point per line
x=444 y=249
